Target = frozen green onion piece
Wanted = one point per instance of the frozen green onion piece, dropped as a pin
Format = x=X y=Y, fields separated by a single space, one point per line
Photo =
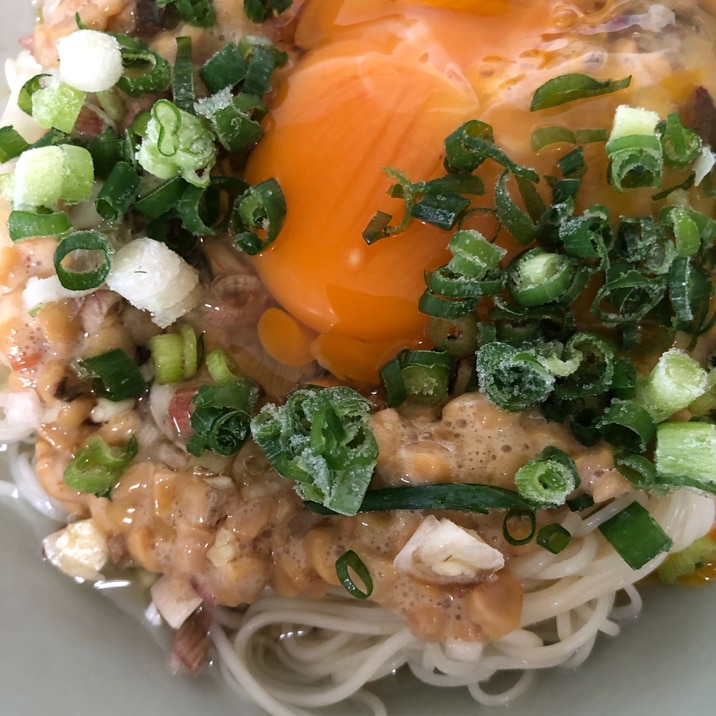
x=687 y=450
x=175 y=356
x=321 y=438
x=547 y=480
x=627 y=425
x=262 y=10
x=634 y=149
x=512 y=378
x=177 y=143
x=76 y=276
x=676 y=380
x=58 y=105
x=539 y=276
x=553 y=537
x=46 y=175
x=635 y=535
x=681 y=145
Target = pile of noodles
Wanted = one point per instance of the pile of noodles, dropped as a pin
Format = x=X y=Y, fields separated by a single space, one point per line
x=292 y=656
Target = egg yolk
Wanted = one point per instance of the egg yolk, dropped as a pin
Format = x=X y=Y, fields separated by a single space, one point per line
x=381 y=84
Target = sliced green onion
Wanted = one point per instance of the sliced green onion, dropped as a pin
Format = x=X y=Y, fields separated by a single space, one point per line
x=512 y=378
x=519 y=526
x=49 y=174
x=321 y=438
x=635 y=535
x=444 y=496
x=177 y=142
x=258 y=216
x=545 y=136
x=145 y=71
x=31 y=224
x=676 y=380
x=634 y=150
x=183 y=92
x=199 y=13
x=686 y=230
x=162 y=199
x=226 y=68
x=571 y=87
x=588 y=236
x=537 y=276
x=580 y=502
x=83 y=242
x=233 y=119
x=474 y=142
x=639 y=470
x=391 y=376
x=519 y=224
x=553 y=537
x=97 y=466
x=690 y=292
x=118 y=192
x=262 y=59
x=12 y=144
x=687 y=450
x=207 y=211
x=426 y=375
x=595 y=370
x=627 y=425
x=261 y=10
x=107 y=149
x=441 y=210
x=681 y=145
x=687 y=561
x=117 y=376
x=350 y=562
x=548 y=479
x=175 y=356
x=628 y=298
x=58 y=105
x=457 y=336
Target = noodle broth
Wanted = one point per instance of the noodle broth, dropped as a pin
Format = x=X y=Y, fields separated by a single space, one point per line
x=128 y=507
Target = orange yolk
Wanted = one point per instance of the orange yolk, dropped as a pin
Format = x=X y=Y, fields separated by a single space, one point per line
x=381 y=84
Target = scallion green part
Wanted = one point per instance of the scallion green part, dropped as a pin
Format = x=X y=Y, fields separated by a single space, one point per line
x=261 y=10
x=12 y=144
x=553 y=537
x=349 y=562
x=686 y=450
x=31 y=224
x=321 y=438
x=635 y=535
x=571 y=87
x=627 y=425
x=116 y=376
x=547 y=480
x=97 y=466
x=84 y=248
x=118 y=193
x=519 y=526
x=259 y=214
x=176 y=356
x=443 y=496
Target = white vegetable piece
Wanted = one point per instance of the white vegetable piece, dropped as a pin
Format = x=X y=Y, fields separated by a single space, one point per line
x=154 y=278
x=175 y=599
x=441 y=551
x=39 y=291
x=90 y=61
x=629 y=121
x=703 y=165
x=79 y=549
x=17 y=73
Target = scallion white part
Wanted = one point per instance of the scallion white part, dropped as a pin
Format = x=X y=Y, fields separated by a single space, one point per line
x=154 y=278
x=674 y=382
x=39 y=291
x=630 y=121
x=46 y=175
x=90 y=61
x=17 y=73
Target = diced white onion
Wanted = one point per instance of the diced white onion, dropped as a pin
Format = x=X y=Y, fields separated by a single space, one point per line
x=154 y=278
x=175 y=599
x=79 y=549
x=90 y=61
x=440 y=550
x=23 y=413
x=39 y=291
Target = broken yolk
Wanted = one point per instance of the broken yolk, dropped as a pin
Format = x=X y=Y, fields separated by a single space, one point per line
x=382 y=83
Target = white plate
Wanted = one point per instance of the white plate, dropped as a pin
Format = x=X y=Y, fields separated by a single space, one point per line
x=66 y=650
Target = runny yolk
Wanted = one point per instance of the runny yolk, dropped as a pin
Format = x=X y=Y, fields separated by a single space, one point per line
x=381 y=85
